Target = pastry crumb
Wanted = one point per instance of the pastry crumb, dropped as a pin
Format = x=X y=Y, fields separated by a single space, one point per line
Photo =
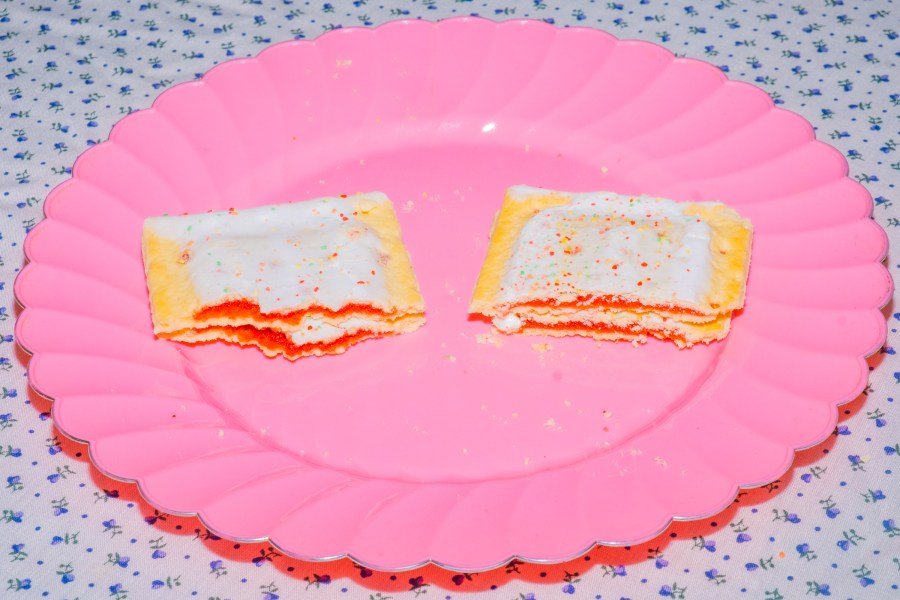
x=489 y=338
x=551 y=424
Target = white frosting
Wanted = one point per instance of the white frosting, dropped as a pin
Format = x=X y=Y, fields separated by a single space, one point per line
x=313 y=330
x=609 y=244
x=284 y=257
x=507 y=324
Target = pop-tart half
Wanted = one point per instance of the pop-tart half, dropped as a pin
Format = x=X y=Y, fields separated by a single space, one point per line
x=613 y=267
x=297 y=279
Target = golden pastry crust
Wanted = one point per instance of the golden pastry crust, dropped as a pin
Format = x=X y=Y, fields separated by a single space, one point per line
x=730 y=252
x=505 y=231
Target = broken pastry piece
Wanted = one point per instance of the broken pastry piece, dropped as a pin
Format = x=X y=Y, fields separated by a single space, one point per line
x=297 y=279
x=613 y=267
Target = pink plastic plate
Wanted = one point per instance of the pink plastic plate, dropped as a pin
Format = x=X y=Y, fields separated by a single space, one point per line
x=440 y=445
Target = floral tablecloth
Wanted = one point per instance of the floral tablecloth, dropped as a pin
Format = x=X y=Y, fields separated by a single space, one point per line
x=71 y=68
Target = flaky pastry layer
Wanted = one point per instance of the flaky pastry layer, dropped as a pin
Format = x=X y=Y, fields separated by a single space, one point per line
x=274 y=342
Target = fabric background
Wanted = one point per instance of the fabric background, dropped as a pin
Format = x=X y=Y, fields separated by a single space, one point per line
x=69 y=69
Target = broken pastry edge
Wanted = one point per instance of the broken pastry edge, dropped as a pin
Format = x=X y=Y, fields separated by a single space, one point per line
x=249 y=336
x=579 y=304
x=683 y=338
x=616 y=319
x=247 y=312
